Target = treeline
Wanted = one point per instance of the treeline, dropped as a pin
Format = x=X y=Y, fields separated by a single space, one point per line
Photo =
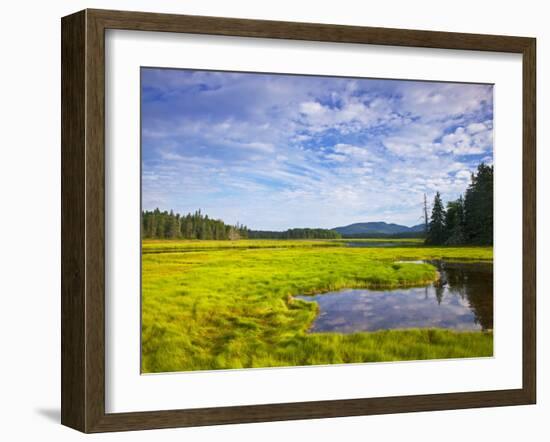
x=170 y=225
x=158 y=224
x=400 y=235
x=305 y=233
x=467 y=220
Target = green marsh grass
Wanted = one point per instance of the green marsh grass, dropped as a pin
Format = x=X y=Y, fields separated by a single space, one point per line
x=229 y=304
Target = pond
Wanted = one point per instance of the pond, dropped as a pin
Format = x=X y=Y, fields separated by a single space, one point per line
x=462 y=299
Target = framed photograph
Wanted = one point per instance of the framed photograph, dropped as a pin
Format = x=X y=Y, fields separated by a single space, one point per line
x=269 y=220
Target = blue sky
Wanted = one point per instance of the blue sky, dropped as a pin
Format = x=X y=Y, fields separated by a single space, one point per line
x=281 y=151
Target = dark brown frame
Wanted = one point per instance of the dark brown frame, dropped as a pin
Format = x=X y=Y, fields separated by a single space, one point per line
x=83 y=217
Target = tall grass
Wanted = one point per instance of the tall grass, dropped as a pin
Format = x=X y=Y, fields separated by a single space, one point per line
x=230 y=304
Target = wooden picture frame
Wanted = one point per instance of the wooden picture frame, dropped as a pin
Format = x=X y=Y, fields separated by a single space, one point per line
x=83 y=220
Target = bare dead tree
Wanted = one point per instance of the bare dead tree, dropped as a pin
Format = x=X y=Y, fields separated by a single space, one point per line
x=425 y=215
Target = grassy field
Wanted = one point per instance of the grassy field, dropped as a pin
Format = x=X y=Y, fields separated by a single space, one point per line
x=229 y=304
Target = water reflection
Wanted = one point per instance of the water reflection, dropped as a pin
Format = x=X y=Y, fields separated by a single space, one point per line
x=462 y=299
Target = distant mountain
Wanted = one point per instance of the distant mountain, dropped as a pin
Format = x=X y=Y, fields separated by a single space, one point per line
x=417 y=228
x=380 y=228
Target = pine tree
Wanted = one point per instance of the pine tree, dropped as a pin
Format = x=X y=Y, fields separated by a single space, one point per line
x=454 y=222
x=436 y=229
x=478 y=207
x=467 y=220
x=170 y=225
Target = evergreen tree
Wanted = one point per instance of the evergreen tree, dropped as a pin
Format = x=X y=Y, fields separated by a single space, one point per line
x=467 y=220
x=160 y=227
x=478 y=207
x=170 y=225
x=436 y=229
x=454 y=222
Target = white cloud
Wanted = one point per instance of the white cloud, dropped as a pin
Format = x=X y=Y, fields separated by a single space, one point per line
x=355 y=152
x=470 y=141
x=463 y=174
x=312 y=108
x=256 y=145
x=433 y=101
x=277 y=152
x=474 y=128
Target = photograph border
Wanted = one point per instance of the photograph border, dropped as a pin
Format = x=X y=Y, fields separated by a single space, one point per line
x=83 y=219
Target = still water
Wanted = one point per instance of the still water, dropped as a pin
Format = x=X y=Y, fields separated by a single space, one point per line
x=462 y=299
